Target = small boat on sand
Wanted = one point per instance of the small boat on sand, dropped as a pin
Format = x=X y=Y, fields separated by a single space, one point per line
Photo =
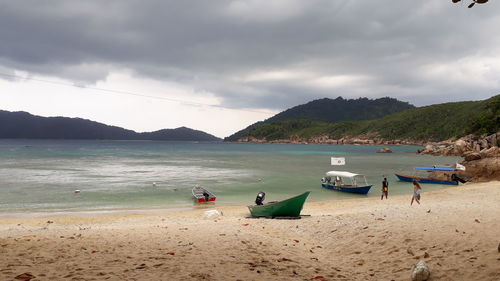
x=346 y=182
x=202 y=195
x=290 y=207
x=438 y=175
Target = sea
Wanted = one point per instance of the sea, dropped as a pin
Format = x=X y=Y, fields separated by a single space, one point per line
x=40 y=176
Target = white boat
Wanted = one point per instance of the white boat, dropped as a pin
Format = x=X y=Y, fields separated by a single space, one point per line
x=201 y=195
x=346 y=182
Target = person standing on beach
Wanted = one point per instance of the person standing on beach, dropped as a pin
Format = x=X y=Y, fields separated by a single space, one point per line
x=416 y=192
x=385 y=189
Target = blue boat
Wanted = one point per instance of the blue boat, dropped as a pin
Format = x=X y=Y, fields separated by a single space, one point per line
x=346 y=182
x=453 y=178
x=424 y=180
x=442 y=169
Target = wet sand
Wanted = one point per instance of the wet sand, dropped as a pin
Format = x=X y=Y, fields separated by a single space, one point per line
x=455 y=230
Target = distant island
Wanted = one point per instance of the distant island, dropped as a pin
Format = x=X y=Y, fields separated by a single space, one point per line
x=23 y=125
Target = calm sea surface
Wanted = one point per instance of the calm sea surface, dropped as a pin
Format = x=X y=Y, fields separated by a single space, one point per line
x=40 y=176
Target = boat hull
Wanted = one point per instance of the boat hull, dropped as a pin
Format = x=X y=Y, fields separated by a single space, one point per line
x=199 y=197
x=286 y=208
x=424 y=180
x=202 y=200
x=358 y=190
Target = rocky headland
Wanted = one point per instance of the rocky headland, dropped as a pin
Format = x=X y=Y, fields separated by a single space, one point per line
x=481 y=155
x=362 y=140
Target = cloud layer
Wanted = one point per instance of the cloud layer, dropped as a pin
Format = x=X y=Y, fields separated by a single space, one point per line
x=263 y=54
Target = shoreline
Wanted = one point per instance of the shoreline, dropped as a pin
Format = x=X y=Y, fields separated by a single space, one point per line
x=188 y=207
x=177 y=210
x=454 y=230
x=349 y=141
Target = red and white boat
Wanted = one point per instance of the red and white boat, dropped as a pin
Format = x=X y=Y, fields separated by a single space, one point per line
x=201 y=195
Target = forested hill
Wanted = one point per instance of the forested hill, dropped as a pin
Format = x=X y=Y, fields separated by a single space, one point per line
x=430 y=123
x=339 y=109
x=27 y=126
x=334 y=110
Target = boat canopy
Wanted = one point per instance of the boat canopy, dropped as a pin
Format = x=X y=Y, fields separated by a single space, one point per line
x=446 y=169
x=341 y=174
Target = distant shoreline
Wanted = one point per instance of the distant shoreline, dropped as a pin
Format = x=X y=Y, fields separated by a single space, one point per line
x=342 y=141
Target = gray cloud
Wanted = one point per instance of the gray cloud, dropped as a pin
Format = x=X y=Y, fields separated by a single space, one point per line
x=264 y=54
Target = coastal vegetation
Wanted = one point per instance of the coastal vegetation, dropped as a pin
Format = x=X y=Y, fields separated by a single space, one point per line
x=429 y=123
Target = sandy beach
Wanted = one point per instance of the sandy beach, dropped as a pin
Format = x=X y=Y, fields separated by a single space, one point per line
x=455 y=230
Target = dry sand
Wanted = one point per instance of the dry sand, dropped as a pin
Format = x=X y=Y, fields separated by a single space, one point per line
x=455 y=230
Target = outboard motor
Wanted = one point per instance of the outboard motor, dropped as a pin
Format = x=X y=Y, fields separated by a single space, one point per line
x=455 y=177
x=207 y=196
x=260 y=198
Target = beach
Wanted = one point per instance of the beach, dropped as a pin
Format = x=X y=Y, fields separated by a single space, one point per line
x=456 y=230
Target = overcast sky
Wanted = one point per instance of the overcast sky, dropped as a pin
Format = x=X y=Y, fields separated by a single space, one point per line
x=219 y=66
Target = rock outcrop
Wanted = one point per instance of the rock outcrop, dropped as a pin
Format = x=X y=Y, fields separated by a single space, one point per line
x=481 y=155
x=481 y=170
x=460 y=147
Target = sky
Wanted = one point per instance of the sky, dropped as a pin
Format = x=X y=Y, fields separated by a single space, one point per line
x=221 y=65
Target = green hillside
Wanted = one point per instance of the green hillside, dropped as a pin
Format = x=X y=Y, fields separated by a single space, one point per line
x=330 y=110
x=429 y=123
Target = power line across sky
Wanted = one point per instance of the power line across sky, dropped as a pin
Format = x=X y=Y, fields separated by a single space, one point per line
x=120 y=92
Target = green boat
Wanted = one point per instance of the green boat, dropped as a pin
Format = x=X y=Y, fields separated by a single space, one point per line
x=286 y=208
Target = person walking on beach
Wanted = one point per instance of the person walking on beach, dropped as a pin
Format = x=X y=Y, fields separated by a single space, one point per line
x=416 y=192
x=385 y=189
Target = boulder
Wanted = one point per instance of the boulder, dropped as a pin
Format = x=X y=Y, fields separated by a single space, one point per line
x=472 y=156
x=460 y=147
x=476 y=147
x=485 y=169
x=484 y=144
x=384 y=150
x=420 y=272
x=492 y=140
x=490 y=152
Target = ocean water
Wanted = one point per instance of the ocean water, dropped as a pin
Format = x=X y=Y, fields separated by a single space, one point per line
x=41 y=175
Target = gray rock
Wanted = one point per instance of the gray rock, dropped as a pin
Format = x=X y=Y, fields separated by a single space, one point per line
x=420 y=272
x=429 y=147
